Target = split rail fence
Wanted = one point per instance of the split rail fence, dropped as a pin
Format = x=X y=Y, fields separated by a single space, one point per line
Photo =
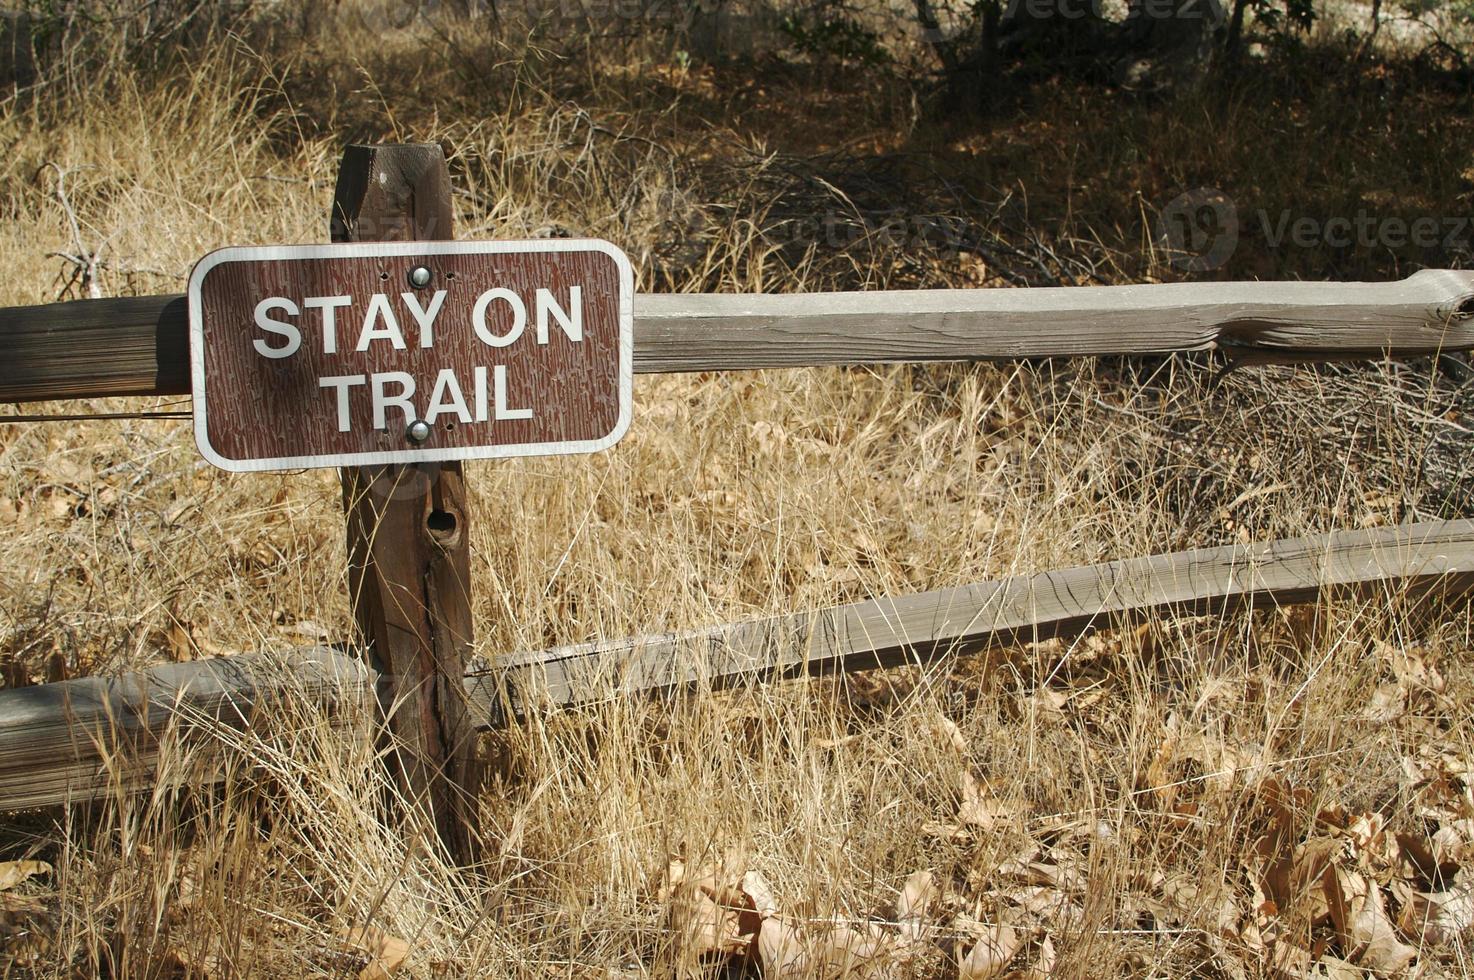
x=60 y=742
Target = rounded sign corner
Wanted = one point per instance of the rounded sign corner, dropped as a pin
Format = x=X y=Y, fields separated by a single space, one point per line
x=615 y=435
x=203 y=447
x=209 y=261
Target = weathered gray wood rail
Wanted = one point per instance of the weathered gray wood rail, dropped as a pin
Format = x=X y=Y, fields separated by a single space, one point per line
x=88 y=738
x=921 y=627
x=139 y=345
x=60 y=742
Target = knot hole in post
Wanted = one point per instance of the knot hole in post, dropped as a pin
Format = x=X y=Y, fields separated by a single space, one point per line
x=444 y=527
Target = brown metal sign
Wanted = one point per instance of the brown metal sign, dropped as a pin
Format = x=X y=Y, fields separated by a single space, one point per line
x=405 y=352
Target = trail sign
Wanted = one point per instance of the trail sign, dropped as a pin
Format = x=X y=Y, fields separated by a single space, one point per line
x=404 y=352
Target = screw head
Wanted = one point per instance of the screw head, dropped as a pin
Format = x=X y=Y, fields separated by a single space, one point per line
x=418 y=431
x=419 y=277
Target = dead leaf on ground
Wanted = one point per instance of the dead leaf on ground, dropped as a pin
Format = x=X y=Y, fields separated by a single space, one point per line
x=1439 y=918
x=918 y=896
x=1359 y=913
x=12 y=873
x=386 y=953
x=991 y=955
x=823 y=952
x=718 y=907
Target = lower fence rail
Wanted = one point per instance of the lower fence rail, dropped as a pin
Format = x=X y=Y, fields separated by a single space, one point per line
x=84 y=739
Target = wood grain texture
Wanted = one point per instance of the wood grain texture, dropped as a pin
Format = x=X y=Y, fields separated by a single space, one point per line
x=84 y=739
x=137 y=346
x=409 y=574
x=919 y=628
x=95 y=348
x=716 y=332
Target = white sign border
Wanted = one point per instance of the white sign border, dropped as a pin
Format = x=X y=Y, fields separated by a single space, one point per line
x=257 y=253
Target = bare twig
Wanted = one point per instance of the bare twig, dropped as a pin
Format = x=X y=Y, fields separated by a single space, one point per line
x=85 y=262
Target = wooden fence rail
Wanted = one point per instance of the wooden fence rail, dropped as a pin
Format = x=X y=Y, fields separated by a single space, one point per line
x=96 y=736
x=922 y=627
x=139 y=345
x=62 y=742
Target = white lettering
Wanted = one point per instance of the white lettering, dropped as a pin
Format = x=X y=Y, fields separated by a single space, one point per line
x=287 y=330
x=329 y=306
x=519 y=317
x=342 y=382
x=503 y=413
x=379 y=309
x=572 y=324
x=425 y=318
x=383 y=401
x=447 y=385
x=480 y=383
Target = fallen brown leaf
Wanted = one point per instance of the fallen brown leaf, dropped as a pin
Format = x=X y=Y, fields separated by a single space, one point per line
x=12 y=873
x=1359 y=913
x=991 y=955
x=823 y=953
x=918 y=895
x=386 y=953
x=1439 y=918
x=718 y=908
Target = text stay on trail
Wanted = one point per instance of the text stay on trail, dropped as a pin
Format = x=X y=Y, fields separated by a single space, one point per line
x=403 y=352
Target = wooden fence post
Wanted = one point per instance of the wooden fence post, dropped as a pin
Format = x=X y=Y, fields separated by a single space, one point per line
x=409 y=573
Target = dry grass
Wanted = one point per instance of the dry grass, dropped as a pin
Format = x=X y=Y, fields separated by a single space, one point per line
x=1125 y=762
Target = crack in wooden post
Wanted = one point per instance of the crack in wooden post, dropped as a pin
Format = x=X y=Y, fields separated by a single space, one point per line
x=408 y=572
